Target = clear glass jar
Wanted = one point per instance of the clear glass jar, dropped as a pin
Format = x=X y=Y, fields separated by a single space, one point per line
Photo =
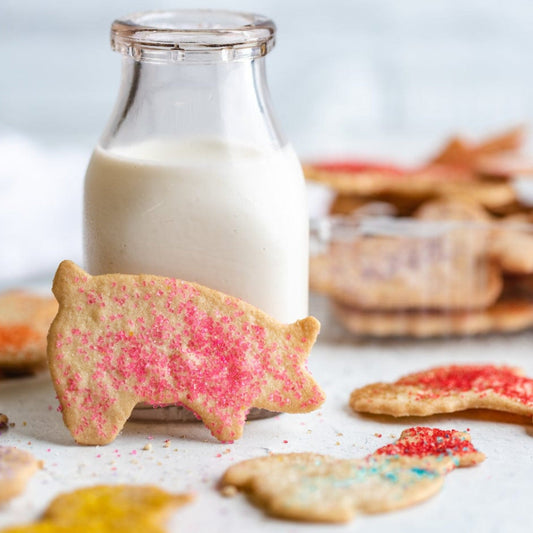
x=192 y=178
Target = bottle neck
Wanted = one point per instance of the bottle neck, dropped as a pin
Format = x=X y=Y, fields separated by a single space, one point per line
x=179 y=100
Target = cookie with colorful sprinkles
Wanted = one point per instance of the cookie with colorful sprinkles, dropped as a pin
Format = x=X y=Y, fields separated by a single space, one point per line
x=16 y=468
x=447 y=389
x=119 y=340
x=321 y=488
x=107 y=509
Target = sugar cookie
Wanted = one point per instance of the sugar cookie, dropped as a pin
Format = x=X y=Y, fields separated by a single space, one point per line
x=119 y=340
x=16 y=469
x=108 y=509
x=505 y=316
x=383 y=272
x=464 y=153
x=321 y=488
x=24 y=322
x=448 y=389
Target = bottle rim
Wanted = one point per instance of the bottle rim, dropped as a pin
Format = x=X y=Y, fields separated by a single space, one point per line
x=193 y=34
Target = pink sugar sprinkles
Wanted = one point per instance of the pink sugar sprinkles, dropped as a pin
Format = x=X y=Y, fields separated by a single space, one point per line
x=501 y=380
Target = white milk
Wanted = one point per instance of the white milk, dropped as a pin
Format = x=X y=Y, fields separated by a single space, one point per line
x=231 y=217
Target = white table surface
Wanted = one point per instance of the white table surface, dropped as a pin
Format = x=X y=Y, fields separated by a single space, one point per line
x=492 y=497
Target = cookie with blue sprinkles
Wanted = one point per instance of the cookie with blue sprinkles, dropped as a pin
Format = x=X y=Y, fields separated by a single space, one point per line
x=321 y=488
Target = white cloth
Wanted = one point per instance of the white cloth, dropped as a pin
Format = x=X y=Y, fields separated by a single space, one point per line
x=40 y=208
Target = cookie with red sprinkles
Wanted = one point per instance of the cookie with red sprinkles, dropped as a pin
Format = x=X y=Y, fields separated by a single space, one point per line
x=448 y=389
x=119 y=340
x=322 y=488
x=16 y=469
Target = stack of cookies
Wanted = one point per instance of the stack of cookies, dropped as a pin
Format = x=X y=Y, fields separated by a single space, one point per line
x=455 y=257
x=479 y=172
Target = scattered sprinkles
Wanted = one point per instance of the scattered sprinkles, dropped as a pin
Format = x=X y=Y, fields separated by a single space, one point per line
x=501 y=380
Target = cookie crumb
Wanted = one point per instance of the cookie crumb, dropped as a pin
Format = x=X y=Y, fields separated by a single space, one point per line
x=229 y=491
x=4 y=422
x=166 y=444
x=378 y=435
x=147 y=447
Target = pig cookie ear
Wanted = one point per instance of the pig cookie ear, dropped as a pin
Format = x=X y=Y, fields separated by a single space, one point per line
x=67 y=276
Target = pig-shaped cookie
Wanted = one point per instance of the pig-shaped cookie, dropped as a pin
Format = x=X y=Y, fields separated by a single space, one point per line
x=119 y=340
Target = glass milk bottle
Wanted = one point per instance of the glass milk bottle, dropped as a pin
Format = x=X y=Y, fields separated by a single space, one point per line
x=192 y=178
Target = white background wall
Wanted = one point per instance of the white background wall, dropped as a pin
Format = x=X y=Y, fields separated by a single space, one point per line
x=346 y=76
x=342 y=69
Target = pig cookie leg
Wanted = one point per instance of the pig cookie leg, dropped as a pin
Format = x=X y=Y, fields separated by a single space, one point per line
x=226 y=426
x=100 y=424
